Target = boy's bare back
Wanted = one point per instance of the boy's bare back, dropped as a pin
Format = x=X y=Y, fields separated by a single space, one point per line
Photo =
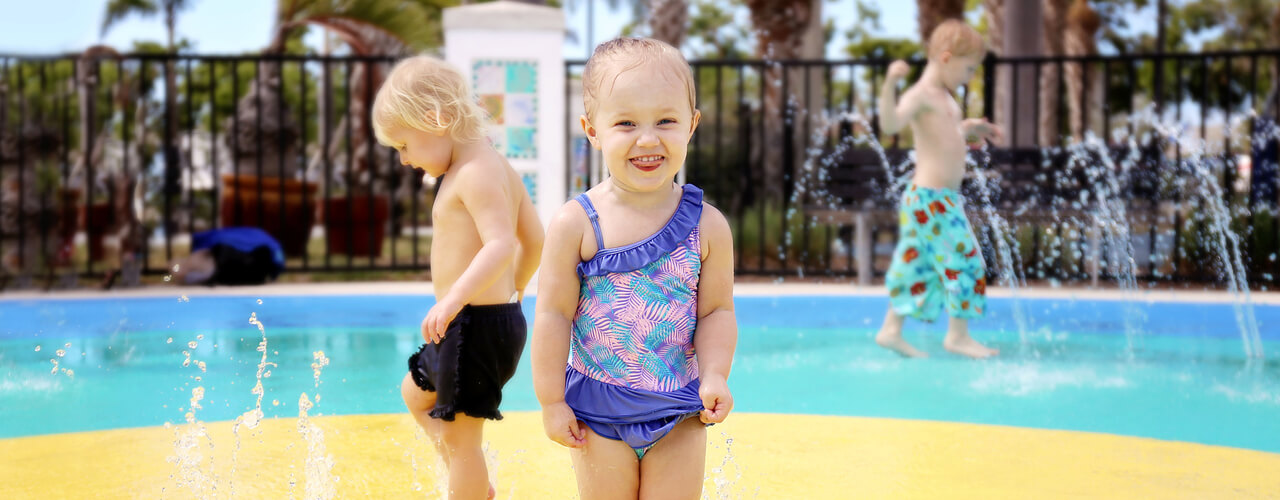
x=480 y=200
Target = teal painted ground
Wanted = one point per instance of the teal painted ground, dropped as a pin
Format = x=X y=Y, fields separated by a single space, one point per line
x=1185 y=377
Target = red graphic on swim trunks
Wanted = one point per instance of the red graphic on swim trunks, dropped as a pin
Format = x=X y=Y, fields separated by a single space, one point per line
x=921 y=217
x=917 y=288
x=910 y=255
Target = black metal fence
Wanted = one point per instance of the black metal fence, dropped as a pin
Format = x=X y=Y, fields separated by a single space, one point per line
x=1113 y=168
x=111 y=162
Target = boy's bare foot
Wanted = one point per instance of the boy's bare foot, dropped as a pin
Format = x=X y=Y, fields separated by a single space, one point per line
x=891 y=339
x=966 y=346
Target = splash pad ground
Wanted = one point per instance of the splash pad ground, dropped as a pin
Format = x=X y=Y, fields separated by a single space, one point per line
x=772 y=456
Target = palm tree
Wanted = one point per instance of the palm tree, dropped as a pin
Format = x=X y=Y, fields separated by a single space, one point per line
x=1017 y=39
x=1080 y=40
x=1055 y=23
x=367 y=27
x=668 y=20
x=931 y=13
x=785 y=30
x=116 y=11
x=264 y=132
x=993 y=12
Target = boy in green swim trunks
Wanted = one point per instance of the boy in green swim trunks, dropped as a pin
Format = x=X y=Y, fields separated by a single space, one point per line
x=937 y=262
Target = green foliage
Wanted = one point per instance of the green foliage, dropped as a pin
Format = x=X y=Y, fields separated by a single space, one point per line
x=716 y=30
x=117 y=10
x=864 y=42
x=778 y=241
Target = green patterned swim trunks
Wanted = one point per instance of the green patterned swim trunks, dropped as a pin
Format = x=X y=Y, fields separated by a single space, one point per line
x=937 y=260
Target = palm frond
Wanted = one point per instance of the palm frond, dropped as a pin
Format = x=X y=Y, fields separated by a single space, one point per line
x=117 y=10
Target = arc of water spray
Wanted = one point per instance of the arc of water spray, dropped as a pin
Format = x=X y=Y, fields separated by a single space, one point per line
x=1228 y=241
x=1007 y=246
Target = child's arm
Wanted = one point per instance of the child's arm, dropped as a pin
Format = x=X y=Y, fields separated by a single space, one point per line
x=529 y=232
x=895 y=115
x=717 y=335
x=976 y=130
x=558 y=287
x=485 y=201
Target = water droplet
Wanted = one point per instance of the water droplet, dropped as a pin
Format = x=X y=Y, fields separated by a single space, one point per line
x=61 y=352
x=37 y=348
x=275 y=402
x=259 y=301
x=169 y=340
x=183 y=299
x=192 y=344
x=166 y=278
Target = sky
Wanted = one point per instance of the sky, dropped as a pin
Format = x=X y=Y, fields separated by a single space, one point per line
x=44 y=27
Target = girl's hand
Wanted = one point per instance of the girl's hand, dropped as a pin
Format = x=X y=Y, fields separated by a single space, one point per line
x=437 y=321
x=562 y=426
x=976 y=130
x=716 y=399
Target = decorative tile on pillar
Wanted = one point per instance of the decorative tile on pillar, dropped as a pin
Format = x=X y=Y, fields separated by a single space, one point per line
x=508 y=90
x=531 y=184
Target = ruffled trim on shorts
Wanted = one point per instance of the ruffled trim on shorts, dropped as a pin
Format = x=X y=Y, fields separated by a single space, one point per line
x=419 y=378
x=450 y=412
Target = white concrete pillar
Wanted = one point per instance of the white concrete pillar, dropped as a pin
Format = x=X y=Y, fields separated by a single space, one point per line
x=511 y=53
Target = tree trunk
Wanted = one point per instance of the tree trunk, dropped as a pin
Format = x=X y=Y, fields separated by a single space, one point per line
x=172 y=170
x=668 y=20
x=993 y=11
x=1020 y=39
x=783 y=26
x=931 y=13
x=1055 y=21
x=1081 y=28
x=1272 y=106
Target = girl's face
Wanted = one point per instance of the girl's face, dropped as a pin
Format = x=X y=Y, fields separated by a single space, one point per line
x=642 y=126
x=431 y=152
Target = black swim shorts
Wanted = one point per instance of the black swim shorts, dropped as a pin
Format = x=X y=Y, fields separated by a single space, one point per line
x=478 y=355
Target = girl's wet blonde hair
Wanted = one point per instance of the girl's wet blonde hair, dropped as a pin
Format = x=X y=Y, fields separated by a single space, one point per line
x=957 y=37
x=617 y=56
x=425 y=93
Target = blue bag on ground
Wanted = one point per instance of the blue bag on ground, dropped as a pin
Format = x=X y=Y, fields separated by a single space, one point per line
x=242 y=255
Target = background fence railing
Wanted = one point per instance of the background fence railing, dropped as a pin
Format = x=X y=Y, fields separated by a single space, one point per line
x=788 y=150
x=111 y=161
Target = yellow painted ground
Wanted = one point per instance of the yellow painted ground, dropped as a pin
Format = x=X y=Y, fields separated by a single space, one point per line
x=772 y=457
